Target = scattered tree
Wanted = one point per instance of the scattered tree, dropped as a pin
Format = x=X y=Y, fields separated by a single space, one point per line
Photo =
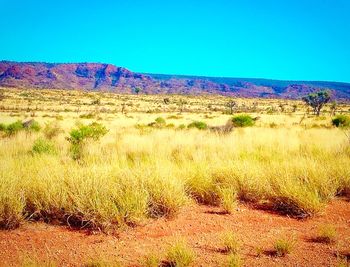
x=166 y=101
x=333 y=108
x=231 y=105
x=282 y=107
x=182 y=105
x=317 y=100
x=2 y=96
x=137 y=90
x=96 y=101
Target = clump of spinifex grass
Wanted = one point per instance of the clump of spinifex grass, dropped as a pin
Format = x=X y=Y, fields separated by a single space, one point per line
x=230 y=243
x=33 y=259
x=284 y=246
x=101 y=262
x=151 y=260
x=180 y=254
x=127 y=176
x=326 y=234
x=234 y=260
x=228 y=199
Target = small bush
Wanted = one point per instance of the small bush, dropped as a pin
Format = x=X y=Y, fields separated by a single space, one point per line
x=327 y=234
x=170 y=125
x=283 y=246
x=160 y=121
x=198 y=124
x=2 y=127
x=234 y=260
x=230 y=243
x=52 y=130
x=174 y=117
x=181 y=126
x=42 y=146
x=223 y=129
x=151 y=260
x=33 y=126
x=273 y=125
x=77 y=137
x=94 y=131
x=180 y=254
x=341 y=121
x=87 y=116
x=13 y=128
x=243 y=120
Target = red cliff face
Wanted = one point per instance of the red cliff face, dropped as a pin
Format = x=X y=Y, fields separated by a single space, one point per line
x=87 y=76
x=106 y=77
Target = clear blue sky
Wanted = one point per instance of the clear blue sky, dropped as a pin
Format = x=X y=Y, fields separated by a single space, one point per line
x=290 y=39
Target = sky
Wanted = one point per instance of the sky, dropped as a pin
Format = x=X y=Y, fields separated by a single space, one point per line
x=276 y=39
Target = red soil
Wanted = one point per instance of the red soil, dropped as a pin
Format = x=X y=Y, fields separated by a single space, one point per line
x=201 y=226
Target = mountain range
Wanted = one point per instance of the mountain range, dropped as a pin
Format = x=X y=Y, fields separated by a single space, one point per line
x=107 y=77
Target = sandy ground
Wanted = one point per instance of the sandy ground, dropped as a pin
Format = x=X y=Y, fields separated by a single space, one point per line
x=201 y=226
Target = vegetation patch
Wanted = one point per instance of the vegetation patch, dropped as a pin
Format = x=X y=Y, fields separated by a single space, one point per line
x=342 y=121
x=230 y=243
x=79 y=135
x=198 y=125
x=180 y=254
x=43 y=146
x=326 y=234
x=284 y=246
x=243 y=120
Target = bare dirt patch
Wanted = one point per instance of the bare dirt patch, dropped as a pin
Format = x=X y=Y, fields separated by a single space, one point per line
x=200 y=225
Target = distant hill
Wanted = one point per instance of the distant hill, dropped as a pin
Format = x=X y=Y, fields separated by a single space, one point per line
x=107 y=77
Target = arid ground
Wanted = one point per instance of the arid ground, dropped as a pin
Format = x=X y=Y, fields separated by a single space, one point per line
x=100 y=179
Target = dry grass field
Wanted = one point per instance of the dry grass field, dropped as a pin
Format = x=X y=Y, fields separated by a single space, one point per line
x=160 y=192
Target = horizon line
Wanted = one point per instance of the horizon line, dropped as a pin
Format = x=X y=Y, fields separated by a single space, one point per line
x=174 y=74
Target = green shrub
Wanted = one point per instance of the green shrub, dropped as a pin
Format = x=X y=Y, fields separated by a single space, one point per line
x=87 y=116
x=180 y=254
x=77 y=137
x=43 y=146
x=243 y=120
x=170 y=125
x=14 y=128
x=341 y=121
x=181 y=126
x=34 y=126
x=158 y=123
x=160 y=120
x=198 y=124
x=2 y=127
x=94 y=131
